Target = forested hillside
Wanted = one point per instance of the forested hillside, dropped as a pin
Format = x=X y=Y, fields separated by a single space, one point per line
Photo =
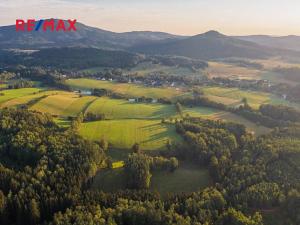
x=46 y=171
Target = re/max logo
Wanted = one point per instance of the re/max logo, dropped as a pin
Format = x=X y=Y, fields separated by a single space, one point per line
x=45 y=25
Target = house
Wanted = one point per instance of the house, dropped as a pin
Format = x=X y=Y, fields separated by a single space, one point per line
x=131 y=100
x=154 y=101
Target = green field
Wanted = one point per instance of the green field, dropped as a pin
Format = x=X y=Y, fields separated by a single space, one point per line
x=16 y=93
x=3 y=85
x=234 y=96
x=143 y=69
x=122 y=109
x=150 y=134
x=213 y=114
x=125 y=88
x=23 y=100
x=63 y=104
x=187 y=178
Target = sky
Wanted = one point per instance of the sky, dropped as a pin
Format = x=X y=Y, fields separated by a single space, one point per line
x=186 y=17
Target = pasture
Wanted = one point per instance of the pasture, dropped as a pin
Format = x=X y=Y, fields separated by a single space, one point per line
x=63 y=104
x=132 y=90
x=234 y=96
x=219 y=69
x=150 y=134
x=122 y=109
x=147 y=68
x=186 y=179
x=16 y=93
x=214 y=114
x=27 y=99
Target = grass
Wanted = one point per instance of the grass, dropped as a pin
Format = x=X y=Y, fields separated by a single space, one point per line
x=150 y=134
x=23 y=100
x=3 y=85
x=110 y=180
x=218 y=69
x=63 y=104
x=144 y=69
x=122 y=109
x=214 y=114
x=187 y=178
x=16 y=93
x=232 y=96
x=203 y=112
x=125 y=88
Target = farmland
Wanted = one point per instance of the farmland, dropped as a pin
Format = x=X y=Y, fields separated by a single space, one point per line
x=63 y=104
x=233 y=97
x=186 y=179
x=213 y=114
x=122 y=109
x=144 y=69
x=219 y=69
x=16 y=93
x=125 y=88
x=150 y=134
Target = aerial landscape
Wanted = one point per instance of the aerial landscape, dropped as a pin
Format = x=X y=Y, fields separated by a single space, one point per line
x=194 y=123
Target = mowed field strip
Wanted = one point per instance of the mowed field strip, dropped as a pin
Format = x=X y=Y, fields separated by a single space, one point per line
x=28 y=98
x=123 y=109
x=125 y=88
x=16 y=93
x=234 y=96
x=150 y=134
x=63 y=104
x=214 y=114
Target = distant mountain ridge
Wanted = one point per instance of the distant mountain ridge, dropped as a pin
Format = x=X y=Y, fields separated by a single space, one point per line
x=85 y=36
x=210 y=45
x=291 y=42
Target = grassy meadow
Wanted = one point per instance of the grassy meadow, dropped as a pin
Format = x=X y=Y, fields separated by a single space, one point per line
x=63 y=104
x=147 y=68
x=122 y=109
x=16 y=93
x=219 y=69
x=186 y=179
x=234 y=96
x=214 y=114
x=150 y=134
x=125 y=88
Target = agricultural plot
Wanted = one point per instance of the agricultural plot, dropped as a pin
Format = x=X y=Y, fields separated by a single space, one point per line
x=122 y=109
x=27 y=99
x=233 y=96
x=16 y=93
x=3 y=86
x=125 y=88
x=63 y=104
x=213 y=114
x=147 y=68
x=218 y=69
x=150 y=134
x=187 y=178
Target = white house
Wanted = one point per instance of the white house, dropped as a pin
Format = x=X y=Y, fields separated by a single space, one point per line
x=131 y=100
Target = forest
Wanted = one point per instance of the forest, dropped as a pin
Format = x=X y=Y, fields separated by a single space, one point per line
x=46 y=171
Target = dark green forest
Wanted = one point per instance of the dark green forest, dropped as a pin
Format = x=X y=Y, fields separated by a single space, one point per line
x=46 y=172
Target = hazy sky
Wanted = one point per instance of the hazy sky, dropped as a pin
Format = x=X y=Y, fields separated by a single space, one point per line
x=234 y=17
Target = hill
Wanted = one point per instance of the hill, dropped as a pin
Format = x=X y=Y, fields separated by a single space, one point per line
x=210 y=45
x=85 y=36
x=290 y=42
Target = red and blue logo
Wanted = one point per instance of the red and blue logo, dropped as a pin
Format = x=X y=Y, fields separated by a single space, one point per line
x=46 y=25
